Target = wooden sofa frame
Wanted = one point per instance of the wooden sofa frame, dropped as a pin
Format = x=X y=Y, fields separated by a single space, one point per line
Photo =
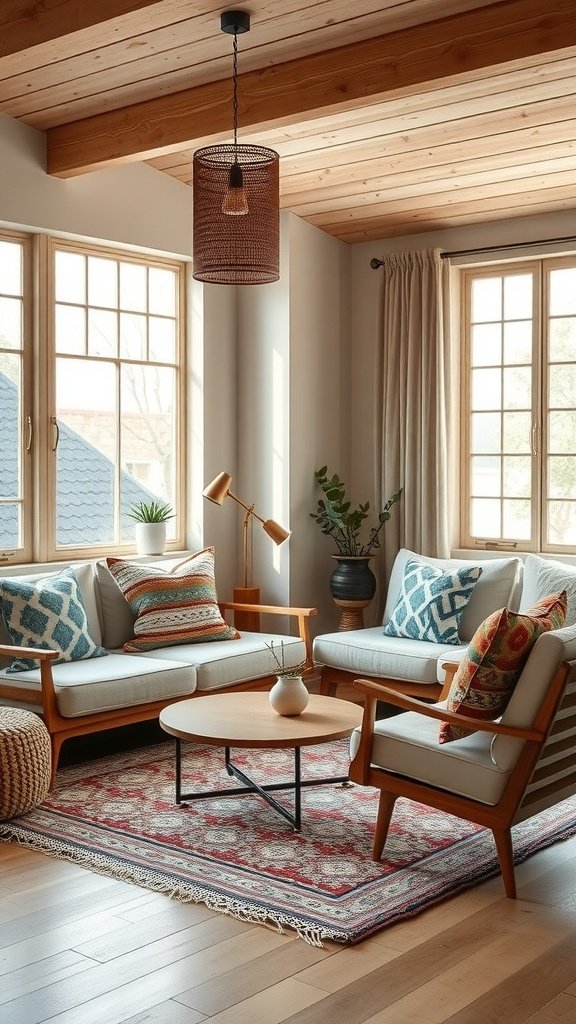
x=527 y=791
x=62 y=729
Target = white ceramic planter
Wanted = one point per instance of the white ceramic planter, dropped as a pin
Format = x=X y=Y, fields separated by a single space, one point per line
x=150 y=538
x=289 y=696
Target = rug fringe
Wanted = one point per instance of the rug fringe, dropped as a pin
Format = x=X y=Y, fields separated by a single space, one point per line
x=157 y=882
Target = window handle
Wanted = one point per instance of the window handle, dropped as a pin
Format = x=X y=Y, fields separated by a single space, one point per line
x=28 y=434
x=56 y=432
x=534 y=439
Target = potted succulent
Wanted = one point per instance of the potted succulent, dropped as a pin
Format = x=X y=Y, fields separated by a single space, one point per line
x=151 y=518
x=352 y=579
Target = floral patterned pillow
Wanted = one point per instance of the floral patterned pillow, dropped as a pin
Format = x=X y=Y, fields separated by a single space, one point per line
x=496 y=655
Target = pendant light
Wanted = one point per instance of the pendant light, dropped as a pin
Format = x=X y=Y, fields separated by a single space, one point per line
x=236 y=226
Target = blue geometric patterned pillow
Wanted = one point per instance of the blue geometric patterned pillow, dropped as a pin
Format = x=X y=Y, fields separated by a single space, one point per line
x=48 y=614
x=431 y=602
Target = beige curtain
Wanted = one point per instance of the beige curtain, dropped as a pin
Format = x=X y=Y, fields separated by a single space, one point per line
x=413 y=404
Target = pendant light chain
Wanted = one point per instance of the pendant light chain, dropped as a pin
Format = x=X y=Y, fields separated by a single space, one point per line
x=235 y=83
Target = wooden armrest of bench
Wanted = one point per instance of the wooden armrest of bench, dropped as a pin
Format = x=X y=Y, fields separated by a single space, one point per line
x=33 y=653
x=375 y=691
x=266 y=609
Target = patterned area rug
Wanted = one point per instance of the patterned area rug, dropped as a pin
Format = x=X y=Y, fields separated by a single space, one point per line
x=117 y=816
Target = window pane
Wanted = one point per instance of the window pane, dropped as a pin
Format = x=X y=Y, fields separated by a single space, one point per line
x=562 y=291
x=563 y=339
x=102 y=332
x=486 y=432
x=517 y=475
x=11 y=268
x=518 y=342
x=485 y=517
x=102 y=282
x=516 y=519
x=132 y=336
x=486 y=389
x=517 y=387
x=562 y=522
x=486 y=299
x=162 y=291
x=486 y=480
x=562 y=432
x=71 y=329
x=162 y=340
x=133 y=287
x=518 y=296
x=148 y=432
x=10 y=399
x=517 y=428
x=486 y=345
x=10 y=526
x=562 y=386
x=10 y=323
x=86 y=453
x=562 y=477
x=70 y=277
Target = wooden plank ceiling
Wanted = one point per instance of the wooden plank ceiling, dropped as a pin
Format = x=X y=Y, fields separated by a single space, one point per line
x=390 y=116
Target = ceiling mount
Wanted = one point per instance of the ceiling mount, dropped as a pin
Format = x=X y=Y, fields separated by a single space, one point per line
x=235 y=22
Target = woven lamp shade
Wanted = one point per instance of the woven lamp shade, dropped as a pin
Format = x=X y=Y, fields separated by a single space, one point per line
x=236 y=249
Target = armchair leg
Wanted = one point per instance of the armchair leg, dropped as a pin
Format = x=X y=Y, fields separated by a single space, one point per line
x=503 y=840
x=385 y=811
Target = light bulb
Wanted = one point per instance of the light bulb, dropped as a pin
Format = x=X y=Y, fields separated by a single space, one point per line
x=235 y=202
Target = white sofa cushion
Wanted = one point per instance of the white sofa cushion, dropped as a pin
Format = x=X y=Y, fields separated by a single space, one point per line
x=104 y=684
x=498 y=587
x=542 y=577
x=367 y=652
x=408 y=744
x=218 y=665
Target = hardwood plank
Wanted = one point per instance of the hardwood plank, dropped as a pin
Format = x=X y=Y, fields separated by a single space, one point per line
x=561 y=1010
x=243 y=982
x=468 y=41
x=119 y=1001
x=169 y=1012
x=50 y=971
x=55 y=940
x=347 y=965
x=110 y=945
x=273 y=1005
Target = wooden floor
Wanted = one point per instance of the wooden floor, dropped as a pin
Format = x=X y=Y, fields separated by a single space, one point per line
x=80 y=948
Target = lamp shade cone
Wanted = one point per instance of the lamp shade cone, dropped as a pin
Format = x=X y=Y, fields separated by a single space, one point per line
x=218 y=489
x=275 y=531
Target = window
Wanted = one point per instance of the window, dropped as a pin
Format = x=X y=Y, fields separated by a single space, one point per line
x=519 y=451
x=107 y=428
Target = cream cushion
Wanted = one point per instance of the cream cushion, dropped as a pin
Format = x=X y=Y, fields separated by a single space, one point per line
x=218 y=665
x=499 y=586
x=408 y=744
x=369 y=652
x=103 y=684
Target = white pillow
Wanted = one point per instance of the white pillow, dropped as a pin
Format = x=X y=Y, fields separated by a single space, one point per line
x=543 y=577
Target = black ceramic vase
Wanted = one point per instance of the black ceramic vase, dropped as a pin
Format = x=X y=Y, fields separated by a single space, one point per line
x=352 y=579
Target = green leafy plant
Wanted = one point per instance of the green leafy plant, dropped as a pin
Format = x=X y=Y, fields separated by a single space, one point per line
x=151 y=512
x=336 y=517
x=280 y=668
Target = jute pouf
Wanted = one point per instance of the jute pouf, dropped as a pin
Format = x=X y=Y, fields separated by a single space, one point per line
x=24 y=761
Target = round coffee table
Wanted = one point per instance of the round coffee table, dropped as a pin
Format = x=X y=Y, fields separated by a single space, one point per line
x=246 y=720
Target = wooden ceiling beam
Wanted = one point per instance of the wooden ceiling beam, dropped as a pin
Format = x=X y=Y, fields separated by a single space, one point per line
x=337 y=79
x=26 y=24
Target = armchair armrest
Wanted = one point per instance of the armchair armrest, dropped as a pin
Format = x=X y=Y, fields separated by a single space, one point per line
x=375 y=691
x=33 y=653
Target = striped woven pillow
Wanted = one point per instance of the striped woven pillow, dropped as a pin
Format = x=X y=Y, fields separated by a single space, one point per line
x=179 y=607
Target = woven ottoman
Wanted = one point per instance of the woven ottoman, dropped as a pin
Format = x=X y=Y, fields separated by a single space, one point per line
x=24 y=761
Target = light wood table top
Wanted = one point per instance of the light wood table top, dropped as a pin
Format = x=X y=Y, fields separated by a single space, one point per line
x=247 y=720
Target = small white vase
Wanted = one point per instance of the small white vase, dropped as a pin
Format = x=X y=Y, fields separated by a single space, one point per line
x=289 y=696
x=150 y=538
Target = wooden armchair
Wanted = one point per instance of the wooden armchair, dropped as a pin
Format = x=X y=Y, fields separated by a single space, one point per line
x=504 y=772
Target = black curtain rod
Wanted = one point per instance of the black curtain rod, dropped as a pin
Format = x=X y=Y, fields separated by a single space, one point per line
x=375 y=263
